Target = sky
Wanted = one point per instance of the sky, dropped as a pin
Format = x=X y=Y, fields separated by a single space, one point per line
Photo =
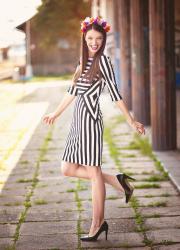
x=13 y=13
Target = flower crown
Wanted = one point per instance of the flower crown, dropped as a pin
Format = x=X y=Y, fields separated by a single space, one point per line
x=98 y=20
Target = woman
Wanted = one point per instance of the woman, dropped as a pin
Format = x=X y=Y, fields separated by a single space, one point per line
x=82 y=155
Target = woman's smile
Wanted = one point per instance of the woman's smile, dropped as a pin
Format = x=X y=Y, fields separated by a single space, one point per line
x=94 y=47
x=94 y=40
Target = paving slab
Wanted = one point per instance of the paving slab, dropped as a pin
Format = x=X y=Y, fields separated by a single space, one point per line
x=48 y=228
x=58 y=241
x=163 y=191
x=116 y=240
x=12 y=215
x=57 y=212
x=160 y=223
x=60 y=197
x=53 y=212
x=163 y=236
x=5 y=243
x=161 y=211
x=166 y=201
x=115 y=225
x=170 y=247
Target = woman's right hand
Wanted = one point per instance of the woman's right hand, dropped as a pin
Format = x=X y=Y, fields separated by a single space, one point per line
x=50 y=118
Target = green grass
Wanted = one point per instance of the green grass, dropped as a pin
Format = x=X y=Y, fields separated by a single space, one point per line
x=128 y=155
x=115 y=153
x=143 y=144
x=24 y=162
x=45 y=160
x=27 y=204
x=17 y=203
x=165 y=195
x=147 y=185
x=40 y=202
x=24 y=180
x=157 y=204
x=148 y=196
x=139 y=220
x=132 y=145
x=166 y=242
x=42 y=185
x=146 y=149
x=113 y=150
x=156 y=178
x=155 y=216
x=34 y=182
x=71 y=190
x=147 y=172
x=112 y=197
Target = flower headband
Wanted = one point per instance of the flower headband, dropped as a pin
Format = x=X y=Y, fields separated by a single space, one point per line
x=98 y=20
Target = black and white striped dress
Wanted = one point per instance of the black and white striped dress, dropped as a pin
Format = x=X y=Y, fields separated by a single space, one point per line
x=84 y=143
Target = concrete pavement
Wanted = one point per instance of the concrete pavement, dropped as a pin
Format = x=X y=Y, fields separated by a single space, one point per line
x=41 y=209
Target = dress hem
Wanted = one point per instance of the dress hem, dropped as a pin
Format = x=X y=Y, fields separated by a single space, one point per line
x=82 y=163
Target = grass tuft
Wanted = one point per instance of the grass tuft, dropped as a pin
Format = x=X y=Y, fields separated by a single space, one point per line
x=157 y=204
x=147 y=185
x=40 y=202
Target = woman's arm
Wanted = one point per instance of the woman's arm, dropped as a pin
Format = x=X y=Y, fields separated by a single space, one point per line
x=66 y=101
x=50 y=118
x=109 y=77
x=130 y=120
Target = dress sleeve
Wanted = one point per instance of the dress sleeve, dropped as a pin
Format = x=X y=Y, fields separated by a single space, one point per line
x=72 y=90
x=109 y=77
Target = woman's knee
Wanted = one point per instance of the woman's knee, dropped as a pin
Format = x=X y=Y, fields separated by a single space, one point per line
x=94 y=172
x=68 y=169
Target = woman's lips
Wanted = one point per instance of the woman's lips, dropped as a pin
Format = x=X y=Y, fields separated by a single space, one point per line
x=94 y=47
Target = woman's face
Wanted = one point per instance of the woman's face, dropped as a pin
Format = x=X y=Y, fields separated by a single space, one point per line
x=94 y=40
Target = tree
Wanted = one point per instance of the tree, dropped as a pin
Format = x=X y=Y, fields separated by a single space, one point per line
x=59 y=19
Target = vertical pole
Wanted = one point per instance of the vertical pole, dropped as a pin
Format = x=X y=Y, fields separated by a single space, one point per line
x=140 y=60
x=28 y=51
x=125 y=63
x=162 y=74
x=116 y=39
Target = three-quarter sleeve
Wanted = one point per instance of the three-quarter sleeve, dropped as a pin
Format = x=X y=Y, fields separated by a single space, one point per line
x=72 y=90
x=109 y=77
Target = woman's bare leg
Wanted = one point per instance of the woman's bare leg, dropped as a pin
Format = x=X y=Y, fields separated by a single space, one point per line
x=98 y=180
x=80 y=171
x=98 y=197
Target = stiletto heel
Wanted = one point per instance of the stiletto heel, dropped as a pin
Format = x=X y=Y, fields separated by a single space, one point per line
x=103 y=227
x=128 y=189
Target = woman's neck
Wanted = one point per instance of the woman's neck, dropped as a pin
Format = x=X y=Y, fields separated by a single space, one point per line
x=90 y=55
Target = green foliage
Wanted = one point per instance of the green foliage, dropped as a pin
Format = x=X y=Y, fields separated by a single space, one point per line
x=59 y=18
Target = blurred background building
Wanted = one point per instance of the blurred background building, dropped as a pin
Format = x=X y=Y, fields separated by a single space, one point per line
x=144 y=44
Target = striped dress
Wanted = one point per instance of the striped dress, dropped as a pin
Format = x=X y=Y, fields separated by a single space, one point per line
x=84 y=143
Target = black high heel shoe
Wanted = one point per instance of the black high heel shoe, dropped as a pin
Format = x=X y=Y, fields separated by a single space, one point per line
x=103 y=227
x=122 y=178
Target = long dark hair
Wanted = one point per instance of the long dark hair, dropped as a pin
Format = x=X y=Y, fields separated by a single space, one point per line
x=94 y=69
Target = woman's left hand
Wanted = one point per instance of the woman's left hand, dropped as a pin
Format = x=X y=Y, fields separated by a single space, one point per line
x=138 y=126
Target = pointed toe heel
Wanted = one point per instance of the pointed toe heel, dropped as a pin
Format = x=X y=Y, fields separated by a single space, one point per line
x=128 y=189
x=104 y=227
